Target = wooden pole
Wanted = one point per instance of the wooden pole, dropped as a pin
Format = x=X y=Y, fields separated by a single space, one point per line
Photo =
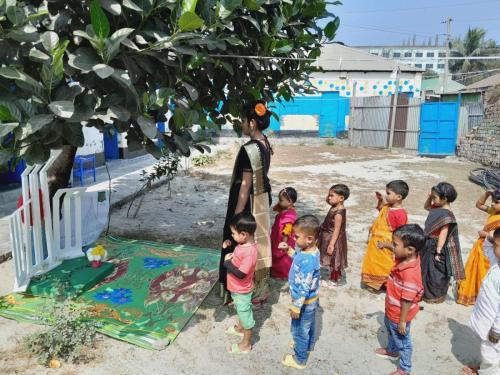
x=394 y=109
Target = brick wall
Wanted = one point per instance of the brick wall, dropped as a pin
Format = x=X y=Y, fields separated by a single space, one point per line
x=482 y=144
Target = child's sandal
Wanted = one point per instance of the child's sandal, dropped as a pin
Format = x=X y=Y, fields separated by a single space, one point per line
x=232 y=331
x=235 y=349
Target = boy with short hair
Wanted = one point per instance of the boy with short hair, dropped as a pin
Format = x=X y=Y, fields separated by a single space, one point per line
x=485 y=318
x=240 y=265
x=304 y=281
x=404 y=290
x=379 y=260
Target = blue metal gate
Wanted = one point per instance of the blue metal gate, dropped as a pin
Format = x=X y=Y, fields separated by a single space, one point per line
x=438 y=128
x=330 y=107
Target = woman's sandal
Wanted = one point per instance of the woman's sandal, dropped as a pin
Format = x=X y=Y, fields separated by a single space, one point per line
x=235 y=349
x=232 y=331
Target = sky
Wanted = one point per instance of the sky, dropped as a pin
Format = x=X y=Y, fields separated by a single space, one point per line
x=389 y=22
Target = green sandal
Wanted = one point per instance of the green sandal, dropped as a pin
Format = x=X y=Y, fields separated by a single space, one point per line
x=235 y=349
x=233 y=332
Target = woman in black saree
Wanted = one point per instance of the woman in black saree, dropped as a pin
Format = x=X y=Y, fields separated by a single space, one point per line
x=441 y=257
x=251 y=191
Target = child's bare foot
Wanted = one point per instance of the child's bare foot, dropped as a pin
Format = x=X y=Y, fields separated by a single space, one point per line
x=471 y=370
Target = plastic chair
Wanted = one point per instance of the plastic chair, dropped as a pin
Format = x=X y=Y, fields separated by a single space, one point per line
x=84 y=166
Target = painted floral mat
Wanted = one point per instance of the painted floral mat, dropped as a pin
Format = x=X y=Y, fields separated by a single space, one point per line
x=147 y=300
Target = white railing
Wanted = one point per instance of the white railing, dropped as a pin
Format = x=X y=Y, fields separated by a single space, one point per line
x=38 y=245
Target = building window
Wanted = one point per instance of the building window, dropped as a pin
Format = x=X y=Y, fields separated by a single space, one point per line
x=418 y=65
x=396 y=54
x=407 y=54
x=429 y=66
x=442 y=54
x=440 y=66
x=375 y=53
x=430 y=54
x=419 y=54
x=385 y=54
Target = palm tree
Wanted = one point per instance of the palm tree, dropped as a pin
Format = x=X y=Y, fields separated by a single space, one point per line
x=474 y=44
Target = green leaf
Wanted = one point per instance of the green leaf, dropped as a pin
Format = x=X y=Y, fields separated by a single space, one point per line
x=27 y=34
x=189 y=5
x=131 y=5
x=253 y=21
x=284 y=46
x=234 y=41
x=193 y=93
x=154 y=150
x=148 y=127
x=83 y=59
x=103 y=71
x=36 y=154
x=37 y=55
x=331 y=28
x=119 y=112
x=182 y=144
x=6 y=128
x=5 y=113
x=37 y=122
x=190 y=21
x=14 y=112
x=99 y=21
x=113 y=44
x=111 y=6
x=68 y=92
x=226 y=7
x=123 y=79
x=253 y=4
x=62 y=108
x=50 y=40
x=15 y=15
x=73 y=133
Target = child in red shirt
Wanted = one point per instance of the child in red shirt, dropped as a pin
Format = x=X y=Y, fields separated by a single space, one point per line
x=404 y=290
x=240 y=265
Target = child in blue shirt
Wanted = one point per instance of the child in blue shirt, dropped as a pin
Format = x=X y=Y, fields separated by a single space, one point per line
x=304 y=278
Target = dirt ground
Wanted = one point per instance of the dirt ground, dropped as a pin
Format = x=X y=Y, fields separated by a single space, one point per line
x=350 y=319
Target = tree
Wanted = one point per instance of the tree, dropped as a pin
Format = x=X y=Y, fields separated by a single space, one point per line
x=474 y=44
x=68 y=64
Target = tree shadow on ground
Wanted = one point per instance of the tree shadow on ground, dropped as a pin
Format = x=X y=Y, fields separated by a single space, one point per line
x=382 y=330
x=465 y=344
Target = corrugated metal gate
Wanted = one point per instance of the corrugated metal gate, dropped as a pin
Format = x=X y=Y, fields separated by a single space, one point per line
x=370 y=120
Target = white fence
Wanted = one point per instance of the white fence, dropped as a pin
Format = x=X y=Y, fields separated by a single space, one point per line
x=42 y=235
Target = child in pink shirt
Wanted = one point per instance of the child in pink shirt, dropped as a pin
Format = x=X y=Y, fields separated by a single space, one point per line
x=240 y=265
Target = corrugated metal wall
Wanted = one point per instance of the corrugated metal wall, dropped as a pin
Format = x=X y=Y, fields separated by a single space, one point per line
x=471 y=115
x=370 y=122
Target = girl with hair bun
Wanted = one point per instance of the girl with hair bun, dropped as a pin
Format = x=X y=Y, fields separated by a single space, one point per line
x=250 y=191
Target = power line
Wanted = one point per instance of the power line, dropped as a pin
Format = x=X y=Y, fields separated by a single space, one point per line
x=419 y=8
x=393 y=31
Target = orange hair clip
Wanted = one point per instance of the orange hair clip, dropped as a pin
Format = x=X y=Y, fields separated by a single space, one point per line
x=260 y=109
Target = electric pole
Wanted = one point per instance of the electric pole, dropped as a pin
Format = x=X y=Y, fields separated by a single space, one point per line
x=448 y=48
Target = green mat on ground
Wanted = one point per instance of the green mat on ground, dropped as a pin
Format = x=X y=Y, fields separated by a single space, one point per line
x=152 y=293
x=71 y=278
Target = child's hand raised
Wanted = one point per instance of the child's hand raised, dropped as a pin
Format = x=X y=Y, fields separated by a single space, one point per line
x=228 y=257
x=226 y=244
x=379 y=196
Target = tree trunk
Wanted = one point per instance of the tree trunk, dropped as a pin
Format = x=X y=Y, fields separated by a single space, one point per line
x=60 y=172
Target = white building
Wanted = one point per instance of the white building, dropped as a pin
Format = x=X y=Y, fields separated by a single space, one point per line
x=424 y=57
x=343 y=66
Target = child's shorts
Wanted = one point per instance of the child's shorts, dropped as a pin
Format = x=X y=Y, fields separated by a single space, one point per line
x=243 y=304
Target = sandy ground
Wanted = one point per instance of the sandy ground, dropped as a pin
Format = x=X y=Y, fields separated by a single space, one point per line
x=350 y=319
